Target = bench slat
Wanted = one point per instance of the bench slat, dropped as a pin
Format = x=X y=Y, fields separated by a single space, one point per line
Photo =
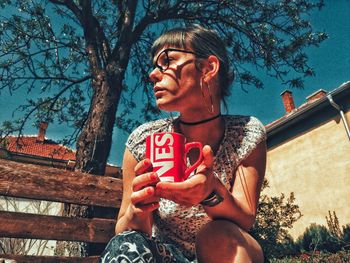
x=50 y=259
x=35 y=226
x=51 y=184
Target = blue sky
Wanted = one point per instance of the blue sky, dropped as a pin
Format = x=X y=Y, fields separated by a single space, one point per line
x=331 y=62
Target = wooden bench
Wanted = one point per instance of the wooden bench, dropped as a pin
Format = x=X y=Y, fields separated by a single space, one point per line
x=51 y=184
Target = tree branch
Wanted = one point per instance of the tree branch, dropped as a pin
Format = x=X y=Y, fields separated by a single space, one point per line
x=71 y=6
x=125 y=36
x=52 y=99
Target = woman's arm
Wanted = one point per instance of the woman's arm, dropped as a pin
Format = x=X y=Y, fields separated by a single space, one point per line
x=138 y=200
x=240 y=205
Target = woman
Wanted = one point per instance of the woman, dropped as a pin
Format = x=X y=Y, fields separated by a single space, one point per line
x=206 y=217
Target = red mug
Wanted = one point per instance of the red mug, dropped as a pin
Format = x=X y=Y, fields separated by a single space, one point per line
x=167 y=152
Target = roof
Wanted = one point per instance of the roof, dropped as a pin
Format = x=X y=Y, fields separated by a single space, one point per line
x=303 y=110
x=30 y=146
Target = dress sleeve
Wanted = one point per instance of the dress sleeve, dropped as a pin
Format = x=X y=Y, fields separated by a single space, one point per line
x=136 y=142
x=251 y=134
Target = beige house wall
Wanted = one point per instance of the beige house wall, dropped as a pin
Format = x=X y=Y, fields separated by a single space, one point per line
x=316 y=167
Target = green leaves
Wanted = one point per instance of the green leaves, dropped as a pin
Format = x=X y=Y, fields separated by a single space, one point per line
x=44 y=54
x=275 y=217
x=43 y=48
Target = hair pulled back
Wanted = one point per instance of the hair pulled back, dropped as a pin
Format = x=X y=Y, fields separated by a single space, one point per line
x=203 y=42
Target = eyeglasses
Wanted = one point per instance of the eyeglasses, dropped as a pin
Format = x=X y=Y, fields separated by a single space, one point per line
x=163 y=61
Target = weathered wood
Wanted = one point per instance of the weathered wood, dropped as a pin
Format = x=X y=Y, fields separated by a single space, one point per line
x=35 y=226
x=51 y=184
x=49 y=259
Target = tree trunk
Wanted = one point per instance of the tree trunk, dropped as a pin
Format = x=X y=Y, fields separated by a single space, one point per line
x=93 y=147
x=108 y=71
x=94 y=142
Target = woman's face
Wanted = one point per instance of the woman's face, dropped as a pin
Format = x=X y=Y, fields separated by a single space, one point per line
x=176 y=79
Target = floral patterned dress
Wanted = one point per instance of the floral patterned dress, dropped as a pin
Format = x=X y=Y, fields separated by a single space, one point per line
x=175 y=224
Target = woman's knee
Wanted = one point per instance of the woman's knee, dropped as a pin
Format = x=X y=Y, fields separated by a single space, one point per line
x=224 y=240
x=218 y=236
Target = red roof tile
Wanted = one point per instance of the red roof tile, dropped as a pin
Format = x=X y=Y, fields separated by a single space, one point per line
x=48 y=149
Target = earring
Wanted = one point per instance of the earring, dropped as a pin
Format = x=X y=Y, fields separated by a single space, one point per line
x=210 y=108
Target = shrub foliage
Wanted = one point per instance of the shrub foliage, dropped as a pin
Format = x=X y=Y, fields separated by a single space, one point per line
x=276 y=216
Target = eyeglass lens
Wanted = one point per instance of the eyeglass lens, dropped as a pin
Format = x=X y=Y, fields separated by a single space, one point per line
x=163 y=60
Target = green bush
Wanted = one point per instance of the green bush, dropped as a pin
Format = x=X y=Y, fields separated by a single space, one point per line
x=327 y=239
x=317 y=257
x=346 y=235
x=275 y=217
x=317 y=237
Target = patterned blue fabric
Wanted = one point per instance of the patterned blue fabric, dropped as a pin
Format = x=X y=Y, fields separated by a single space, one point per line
x=137 y=247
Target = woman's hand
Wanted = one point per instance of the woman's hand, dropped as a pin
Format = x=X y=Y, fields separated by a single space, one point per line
x=142 y=200
x=193 y=190
x=239 y=204
x=139 y=200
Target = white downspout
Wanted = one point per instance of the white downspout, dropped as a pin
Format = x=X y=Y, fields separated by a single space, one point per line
x=336 y=106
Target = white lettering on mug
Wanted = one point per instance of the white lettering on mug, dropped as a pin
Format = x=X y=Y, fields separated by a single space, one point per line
x=164 y=167
x=163 y=148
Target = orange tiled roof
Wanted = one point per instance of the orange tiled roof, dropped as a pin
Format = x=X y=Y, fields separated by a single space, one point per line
x=48 y=149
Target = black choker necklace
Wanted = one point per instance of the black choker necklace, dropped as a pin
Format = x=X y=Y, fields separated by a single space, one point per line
x=200 y=122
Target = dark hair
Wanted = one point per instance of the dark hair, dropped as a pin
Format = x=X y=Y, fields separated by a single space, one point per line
x=203 y=42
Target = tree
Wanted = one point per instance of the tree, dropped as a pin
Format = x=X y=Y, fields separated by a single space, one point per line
x=78 y=53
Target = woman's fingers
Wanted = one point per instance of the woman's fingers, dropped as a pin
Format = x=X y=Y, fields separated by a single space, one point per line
x=208 y=156
x=144 y=175
x=144 y=196
x=190 y=191
x=144 y=180
x=143 y=167
x=147 y=188
x=208 y=160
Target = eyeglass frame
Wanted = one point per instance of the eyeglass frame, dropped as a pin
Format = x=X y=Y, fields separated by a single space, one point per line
x=156 y=65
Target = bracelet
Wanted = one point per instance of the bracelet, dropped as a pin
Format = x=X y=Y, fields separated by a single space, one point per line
x=212 y=200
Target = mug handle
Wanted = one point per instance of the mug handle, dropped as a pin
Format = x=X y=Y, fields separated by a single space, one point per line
x=188 y=147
